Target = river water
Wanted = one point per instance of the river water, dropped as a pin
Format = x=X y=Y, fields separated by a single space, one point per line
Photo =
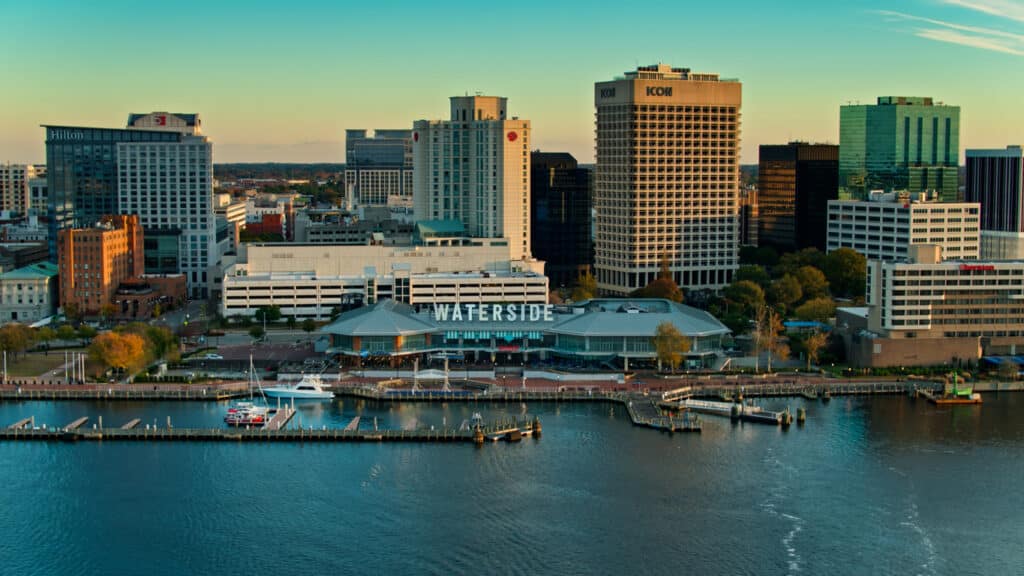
x=888 y=485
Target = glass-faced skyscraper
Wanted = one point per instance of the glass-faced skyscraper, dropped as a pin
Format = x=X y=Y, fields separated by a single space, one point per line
x=560 y=216
x=82 y=176
x=900 y=143
x=995 y=178
x=667 y=179
x=795 y=183
x=379 y=167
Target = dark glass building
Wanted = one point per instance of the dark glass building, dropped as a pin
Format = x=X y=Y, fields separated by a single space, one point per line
x=560 y=217
x=995 y=178
x=795 y=183
x=82 y=174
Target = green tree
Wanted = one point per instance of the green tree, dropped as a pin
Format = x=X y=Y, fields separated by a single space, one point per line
x=746 y=295
x=45 y=335
x=71 y=311
x=790 y=262
x=785 y=292
x=86 y=332
x=257 y=332
x=157 y=311
x=65 y=332
x=812 y=282
x=585 y=288
x=291 y=322
x=846 y=271
x=816 y=310
x=753 y=272
x=813 y=345
x=308 y=325
x=268 y=313
x=670 y=345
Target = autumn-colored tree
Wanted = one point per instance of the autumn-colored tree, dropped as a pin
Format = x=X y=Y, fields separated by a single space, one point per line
x=814 y=344
x=15 y=338
x=45 y=335
x=157 y=311
x=664 y=286
x=119 y=350
x=670 y=345
x=768 y=336
x=585 y=288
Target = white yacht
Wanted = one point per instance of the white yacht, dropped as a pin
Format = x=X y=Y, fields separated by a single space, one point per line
x=309 y=387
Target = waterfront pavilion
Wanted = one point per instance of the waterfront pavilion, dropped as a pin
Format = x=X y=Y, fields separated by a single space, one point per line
x=603 y=332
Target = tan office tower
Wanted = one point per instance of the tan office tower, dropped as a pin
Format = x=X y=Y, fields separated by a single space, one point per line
x=667 y=178
x=475 y=168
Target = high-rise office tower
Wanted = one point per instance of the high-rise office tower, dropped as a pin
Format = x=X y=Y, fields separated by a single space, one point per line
x=475 y=168
x=750 y=215
x=795 y=182
x=15 y=186
x=560 y=216
x=995 y=179
x=667 y=178
x=900 y=143
x=82 y=176
x=379 y=167
x=169 y=185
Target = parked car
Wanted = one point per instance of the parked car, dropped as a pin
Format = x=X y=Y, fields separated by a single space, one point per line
x=214 y=357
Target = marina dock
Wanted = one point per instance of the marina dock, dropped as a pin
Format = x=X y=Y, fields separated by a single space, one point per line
x=646 y=412
x=508 y=430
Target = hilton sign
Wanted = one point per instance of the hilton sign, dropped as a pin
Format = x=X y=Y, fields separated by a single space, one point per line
x=494 y=313
x=64 y=134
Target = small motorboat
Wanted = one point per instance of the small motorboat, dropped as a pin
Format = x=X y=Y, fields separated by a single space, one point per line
x=310 y=387
x=246 y=414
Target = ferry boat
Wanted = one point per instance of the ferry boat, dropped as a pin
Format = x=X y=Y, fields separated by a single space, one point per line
x=310 y=387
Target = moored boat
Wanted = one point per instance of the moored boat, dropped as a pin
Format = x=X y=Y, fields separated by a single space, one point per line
x=310 y=387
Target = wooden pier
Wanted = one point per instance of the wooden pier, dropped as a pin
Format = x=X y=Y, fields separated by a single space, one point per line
x=353 y=425
x=646 y=412
x=508 y=430
x=131 y=424
x=121 y=392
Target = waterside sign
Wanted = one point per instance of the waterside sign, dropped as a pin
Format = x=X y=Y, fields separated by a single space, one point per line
x=494 y=313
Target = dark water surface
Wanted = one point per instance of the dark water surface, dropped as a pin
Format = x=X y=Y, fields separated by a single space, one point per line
x=869 y=486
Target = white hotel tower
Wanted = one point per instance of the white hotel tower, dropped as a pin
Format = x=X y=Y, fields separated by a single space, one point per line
x=667 y=178
x=475 y=168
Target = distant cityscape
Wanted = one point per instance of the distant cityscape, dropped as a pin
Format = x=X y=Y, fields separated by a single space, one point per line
x=883 y=241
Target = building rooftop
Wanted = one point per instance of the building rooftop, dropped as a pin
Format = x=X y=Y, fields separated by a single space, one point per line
x=32 y=271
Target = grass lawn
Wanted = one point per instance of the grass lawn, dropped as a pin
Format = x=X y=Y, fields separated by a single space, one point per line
x=36 y=364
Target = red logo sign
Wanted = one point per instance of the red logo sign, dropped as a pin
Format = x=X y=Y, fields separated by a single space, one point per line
x=976 y=267
x=415 y=136
x=161 y=120
x=512 y=136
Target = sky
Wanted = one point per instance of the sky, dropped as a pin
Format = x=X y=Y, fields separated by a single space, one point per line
x=282 y=81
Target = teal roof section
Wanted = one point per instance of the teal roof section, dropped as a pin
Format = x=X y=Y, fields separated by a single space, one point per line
x=385 y=318
x=639 y=317
x=440 y=228
x=32 y=272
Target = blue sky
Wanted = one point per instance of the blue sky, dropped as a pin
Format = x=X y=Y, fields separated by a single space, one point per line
x=283 y=80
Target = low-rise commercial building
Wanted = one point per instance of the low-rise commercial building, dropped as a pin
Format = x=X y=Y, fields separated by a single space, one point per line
x=886 y=226
x=596 y=332
x=928 y=311
x=28 y=294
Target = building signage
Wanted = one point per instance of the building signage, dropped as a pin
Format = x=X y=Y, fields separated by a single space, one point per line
x=64 y=134
x=607 y=92
x=976 y=267
x=659 y=90
x=494 y=313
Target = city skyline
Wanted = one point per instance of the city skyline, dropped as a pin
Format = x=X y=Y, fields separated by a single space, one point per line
x=283 y=83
